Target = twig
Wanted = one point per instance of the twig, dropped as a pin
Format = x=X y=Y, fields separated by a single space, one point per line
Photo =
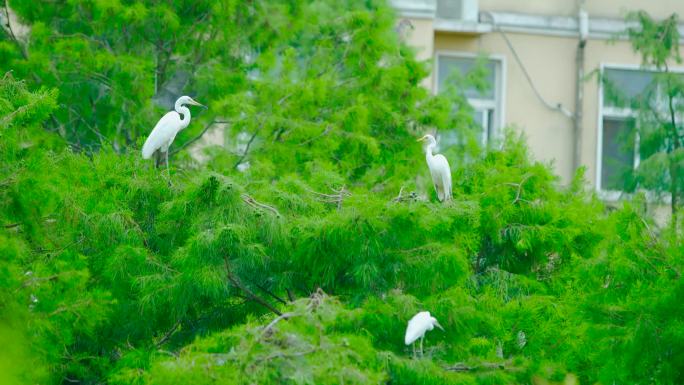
x=253 y=202
x=168 y=335
x=7 y=119
x=91 y=128
x=249 y=144
x=198 y=137
x=519 y=185
x=275 y=321
x=84 y=36
x=33 y=280
x=283 y=355
x=463 y=367
x=71 y=308
x=325 y=132
x=236 y=282
x=275 y=297
x=399 y=197
x=337 y=198
x=21 y=47
x=172 y=354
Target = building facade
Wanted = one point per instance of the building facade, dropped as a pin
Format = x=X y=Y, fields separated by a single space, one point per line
x=543 y=58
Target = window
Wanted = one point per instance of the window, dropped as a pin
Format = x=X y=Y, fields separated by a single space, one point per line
x=488 y=102
x=618 y=152
x=622 y=91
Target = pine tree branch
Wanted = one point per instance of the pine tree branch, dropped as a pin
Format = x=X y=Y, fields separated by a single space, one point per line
x=167 y=335
x=325 y=132
x=13 y=36
x=254 y=203
x=249 y=144
x=519 y=186
x=198 y=137
x=250 y=294
x=463 y=367
x=275 y=321
x=270 y=293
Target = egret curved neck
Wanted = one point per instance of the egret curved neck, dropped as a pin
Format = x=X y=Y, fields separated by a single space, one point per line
x=185 y=113
x=428 y=150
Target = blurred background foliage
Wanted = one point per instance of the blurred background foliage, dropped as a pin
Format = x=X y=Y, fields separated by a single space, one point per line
x=306 y=266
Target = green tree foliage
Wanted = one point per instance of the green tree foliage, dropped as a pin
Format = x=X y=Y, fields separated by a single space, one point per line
x=306 y=268
x=324 y=88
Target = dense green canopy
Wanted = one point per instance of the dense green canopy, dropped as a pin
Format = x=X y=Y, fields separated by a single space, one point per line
x=306 y=267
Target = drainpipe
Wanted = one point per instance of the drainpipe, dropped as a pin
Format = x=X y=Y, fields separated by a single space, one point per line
x=583 y=32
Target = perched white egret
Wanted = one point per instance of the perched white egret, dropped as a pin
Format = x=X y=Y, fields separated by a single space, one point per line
x=166 y=129
x=439 y=169
x=417 y=327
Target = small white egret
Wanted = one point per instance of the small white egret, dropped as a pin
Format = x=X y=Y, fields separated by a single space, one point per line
x=417 y=327
x=165 y=131
x=439 y=169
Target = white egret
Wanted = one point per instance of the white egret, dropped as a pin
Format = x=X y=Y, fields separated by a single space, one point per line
x=417 y=327
x=165 y=131
x=439 y=169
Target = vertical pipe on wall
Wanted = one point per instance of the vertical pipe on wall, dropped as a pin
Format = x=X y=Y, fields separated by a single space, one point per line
x=583 y=33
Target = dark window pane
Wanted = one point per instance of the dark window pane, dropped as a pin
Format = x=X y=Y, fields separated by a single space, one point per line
x=623 y=87
x=463 y=66
x=618 y=153
x=490 y=124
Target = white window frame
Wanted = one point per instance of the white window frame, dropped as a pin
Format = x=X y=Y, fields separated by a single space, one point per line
x=499 y=103
x=619 y=113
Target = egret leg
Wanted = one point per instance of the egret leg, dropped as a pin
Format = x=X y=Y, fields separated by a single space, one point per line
x=414 y=350
x=421 y=347
x=168 y=171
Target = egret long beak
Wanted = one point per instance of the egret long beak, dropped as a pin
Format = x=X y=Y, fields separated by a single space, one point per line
x=194 y=103
x=438 y=325
x=421 y=139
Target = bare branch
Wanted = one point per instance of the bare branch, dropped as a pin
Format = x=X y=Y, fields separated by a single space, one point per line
x=275 y=321
x=249 y=144
x=167 y=335
x=196 y=138
x=483 y=366
x=250 y=294
x=270 y=293
x=13 y=36
x=253 y=202
x=325 y=132
x=519 y=186
x=336 y=198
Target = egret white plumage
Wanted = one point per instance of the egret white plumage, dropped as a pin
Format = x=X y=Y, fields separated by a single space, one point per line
x=439 y=169
x=165 y=131
x=417 y=327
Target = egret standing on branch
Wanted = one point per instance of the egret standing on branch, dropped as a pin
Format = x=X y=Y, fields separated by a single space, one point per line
x=439 y=169
x=166 y=129
x=417 y=327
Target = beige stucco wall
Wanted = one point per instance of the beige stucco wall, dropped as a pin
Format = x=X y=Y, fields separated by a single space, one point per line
x=538 y=7
x=551 y=63
x=596 y=8
x=421 y=38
